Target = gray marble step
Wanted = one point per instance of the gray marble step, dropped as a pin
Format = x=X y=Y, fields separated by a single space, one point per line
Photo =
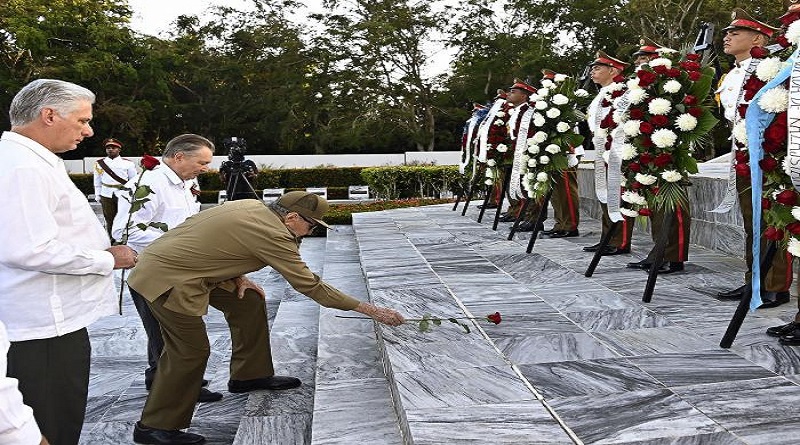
x=353 y=401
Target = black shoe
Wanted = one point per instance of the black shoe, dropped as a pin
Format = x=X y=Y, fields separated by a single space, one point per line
x=592 y=248
x=550 y=232
x=670 y=267
x=508 y=217
x=525 y=226
x=780 y=331
x=488 y=206
x=611 y=250
x=143 y=434
x=275 y=382
x=564 y=234
x=149 y=384
x=643 y=264
x=773 y=299
x=792 y=338
x=735 y=294
x=207 y=396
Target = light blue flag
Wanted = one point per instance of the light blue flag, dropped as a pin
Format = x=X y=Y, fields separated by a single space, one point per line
x=757 y=121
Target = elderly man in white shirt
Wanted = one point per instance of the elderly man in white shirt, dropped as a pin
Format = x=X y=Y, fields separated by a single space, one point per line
x=56 y=261
x=171 y=202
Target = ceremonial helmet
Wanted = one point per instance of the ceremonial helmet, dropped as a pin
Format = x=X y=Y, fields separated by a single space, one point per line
x=743 y=20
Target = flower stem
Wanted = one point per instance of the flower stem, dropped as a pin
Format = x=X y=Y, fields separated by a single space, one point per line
x=126 y=234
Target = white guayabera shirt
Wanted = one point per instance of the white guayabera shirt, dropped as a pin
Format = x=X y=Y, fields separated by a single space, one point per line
x=55 y=273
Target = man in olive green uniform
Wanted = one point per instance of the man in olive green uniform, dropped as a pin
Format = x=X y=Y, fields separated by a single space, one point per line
x=565 y=199
x=203 y=262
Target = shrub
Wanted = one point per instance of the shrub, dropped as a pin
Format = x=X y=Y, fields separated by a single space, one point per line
x=412 y=181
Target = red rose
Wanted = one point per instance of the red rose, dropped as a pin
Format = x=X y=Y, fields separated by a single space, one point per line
x=694 y=76
x=646 y=141
x=616 y=94
x=782 y=41
x=742 y=156
x=645 y=158
x=743 y=170
x=619 y=78
x=742 y=110
x=690 y=100
x=636 y=113
x=636 y=185
x=646 y=128
x=608 y=121
x=605 y=103
x=695 y=111
x=768 y=164
x=773 y=234
x=661 y=69
x=690 y=66
x=494 y=318
x=766 y=204
x=794 y=228
x=608 y=143
x=646 y=78
x=787 y=198
x=659 y=121
x=634 y=167
x=645 y=212
x=693 y=57
x=673 y=73
x=662 y=160
x=758 y=52
x=148 y=162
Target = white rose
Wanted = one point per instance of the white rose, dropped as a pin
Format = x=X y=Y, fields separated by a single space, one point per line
x=544 y=92
x=502 y=148
x=499 y=122
x=541 y=105
x=672 y=86
x=645 y=179
x=491 y=162
x=628 y=152
x=775 y=100
x=739 y=132
x=618 y=116
x=660 y=61
x=562 y=127
x=553 y=113
x=543 y=159
x=637 y=96
x=796 y=212
x=664 y=138
x=633 y=84
x=793 y=33
x=539 y=137
x=560 y=99
x=769 y=68
x=659 y=106
x=581 y=93
x=623 y=181
x=671 y=176
x=560 y=77
x=794 y=244
x=787 y=168
x=542 y=177
x=629 y=212
x=488 y=181
x=533 y=98
x=489 y=172
x=553 y=149
x=533 y=149
x=500 y=114
x=532 y=163
x=631 y=128
x=538 y=121
x=686 y=122
x=633 y=198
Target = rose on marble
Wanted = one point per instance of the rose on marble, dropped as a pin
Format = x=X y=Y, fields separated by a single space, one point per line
x=427 y=321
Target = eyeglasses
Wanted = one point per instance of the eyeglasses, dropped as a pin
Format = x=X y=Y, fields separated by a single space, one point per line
x=312 y=225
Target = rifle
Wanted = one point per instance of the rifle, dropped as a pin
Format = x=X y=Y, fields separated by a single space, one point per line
x=705 y=42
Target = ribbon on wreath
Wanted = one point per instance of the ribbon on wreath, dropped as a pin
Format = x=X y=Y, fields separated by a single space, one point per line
x=599 y=137
x=520 y=146
x=483 y=130
x=473 y=121
x=614 y=181
x=757 y=121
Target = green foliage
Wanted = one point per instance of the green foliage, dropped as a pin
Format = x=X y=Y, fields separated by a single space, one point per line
x=411 y=181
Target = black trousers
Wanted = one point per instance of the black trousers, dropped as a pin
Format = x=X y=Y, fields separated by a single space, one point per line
x=155 y=343
x=53 y=376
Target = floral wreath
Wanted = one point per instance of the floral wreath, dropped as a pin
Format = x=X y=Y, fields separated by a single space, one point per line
x=551 y=148
x=668 y=113
x=498 y=155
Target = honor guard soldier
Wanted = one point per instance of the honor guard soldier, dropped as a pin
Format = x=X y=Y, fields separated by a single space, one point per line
x=743 y=34
x=604 y=69
x=565 y=198
x=110 y=175
x=677 y=249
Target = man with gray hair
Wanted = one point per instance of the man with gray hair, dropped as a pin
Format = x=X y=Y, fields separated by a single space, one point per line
x=170 y=203
x=56 y=260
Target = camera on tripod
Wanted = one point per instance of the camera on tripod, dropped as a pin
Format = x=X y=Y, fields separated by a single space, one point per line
x=237 y=172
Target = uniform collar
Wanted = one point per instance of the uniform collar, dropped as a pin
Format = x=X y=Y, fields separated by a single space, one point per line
x=37 y=148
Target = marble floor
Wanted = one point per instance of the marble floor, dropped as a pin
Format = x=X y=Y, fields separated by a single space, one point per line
x=575 y=359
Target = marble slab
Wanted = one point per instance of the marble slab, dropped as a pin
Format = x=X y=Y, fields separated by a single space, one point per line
x=553 y=348
x=694 y=368
x=666 y=339
x=617 y=319
x=291 y=429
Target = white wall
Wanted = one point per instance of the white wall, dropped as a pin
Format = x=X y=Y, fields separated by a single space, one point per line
x=308 y=161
